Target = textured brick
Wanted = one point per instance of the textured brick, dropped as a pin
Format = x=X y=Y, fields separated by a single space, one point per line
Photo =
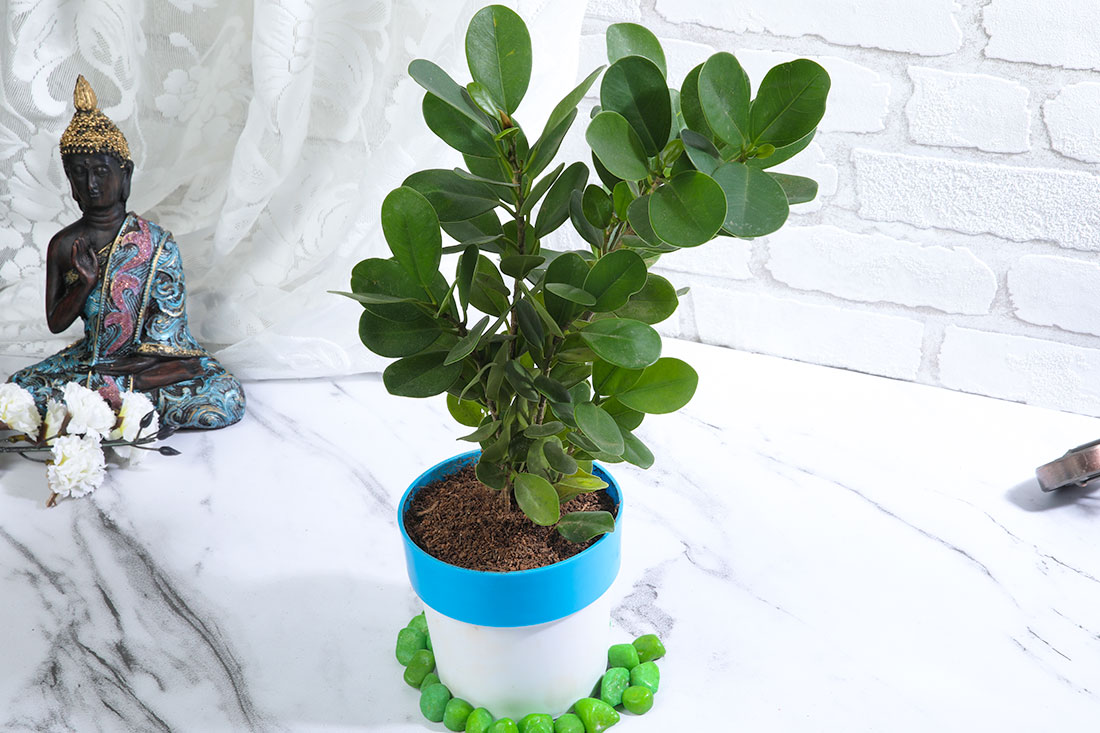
x=725 y=257
x=616 y=10
x=853 y=339
x=859 y=97
x=1056 y=291
x=968 y=110
x=928 y=27
x=1016 y=203
x=1051 y=32
x=1037 y=372
x=1074 y=121
x=875 y=267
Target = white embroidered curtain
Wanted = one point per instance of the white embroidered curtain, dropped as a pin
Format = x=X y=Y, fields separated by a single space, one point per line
x=265 y=136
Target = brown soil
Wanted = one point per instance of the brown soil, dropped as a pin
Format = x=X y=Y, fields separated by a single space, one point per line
x=461 y=521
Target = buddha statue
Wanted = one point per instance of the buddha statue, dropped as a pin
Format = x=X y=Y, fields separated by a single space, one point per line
x=123 y=276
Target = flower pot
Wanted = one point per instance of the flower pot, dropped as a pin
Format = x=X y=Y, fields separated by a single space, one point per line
x=529 y=641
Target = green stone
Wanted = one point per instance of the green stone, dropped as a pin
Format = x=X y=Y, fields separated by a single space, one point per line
x=568 y=723
x=409 y=642
x=622 y=655
x=419 y=623
x=614 y=681
x=504 y=725
x=646 y=675
x=457 y=713
x=596 y=715
x=419 y=666
x=428 y=642
x=649 y=648
x=536 y=723
x=430 y=679
x=637 y=700
x=479 y=721
x=433 y=701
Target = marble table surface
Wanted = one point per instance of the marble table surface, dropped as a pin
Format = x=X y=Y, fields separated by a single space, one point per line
x=820 y=550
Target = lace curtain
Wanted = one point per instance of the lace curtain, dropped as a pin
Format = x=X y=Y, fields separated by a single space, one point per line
x=265 y=136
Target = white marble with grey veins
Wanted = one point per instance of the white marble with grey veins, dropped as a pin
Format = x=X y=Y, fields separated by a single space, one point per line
x=820 y=550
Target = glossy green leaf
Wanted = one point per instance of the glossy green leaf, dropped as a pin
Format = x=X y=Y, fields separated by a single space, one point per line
x=599 y=427
x=555 y=207
x=597 y=207
x=585 y=228
x=411 y=229
x=631 y=39
x=395 y=338
x=789 y=103
x=724 y=95
x=626 y=418
x=530 y=326
x=544 y=430
x=547 y=146
x=540 y=310
x=488 y=293
x=464 y=273
x=465 y=412
x=623 y=342
x=552 y=389
x=583 y=526
x=704 y=156
x=635 y=88
x=467 y=343
x=580 y=482
x=614 y=278
x=483 y=98
x=755 y=202
x=520 y=381
x=390 y=279
x=374 y=298
x=540 y=188
x=453 y=197
x=537 y=498
x=457 y=129
x=688 y=210
x=638 y=216
x=690 y=106
x=784 y=153
x=635 y=451
x=498 y=52
x=569 y=103
x=572 y=294
x=621 y=198
x=435 y=80
x=558 y=459
x=520 y=265
x=608 y=379
x=491 y=474
x=484 y=432
x=571 y=270
x=655 y=302
x=479 y=230
x=617 y=146
x=664 y=387
x=798 y=189
x=421 y=375
x=602 y=173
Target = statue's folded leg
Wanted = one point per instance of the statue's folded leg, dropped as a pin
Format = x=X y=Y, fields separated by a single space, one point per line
x=214 y=399
x=46 y=379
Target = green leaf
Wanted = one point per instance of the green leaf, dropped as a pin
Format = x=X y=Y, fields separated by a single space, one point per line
x=457 y=129
x=664 y=387
x=623 y=342
x=388 y=278
x=597 y=207
x=558 y=459
x=580 y=482
x=617 y=146
x=622 y=197
x=465 y=412
x=467 y=343
x=608 y=379
x=529 y=324
x=614 y=278
x=491 y=474
x=537 y=498
x=571 y=270
x=498 y=51
x=602 y=173
x=638 y=216
x=519 y=265
x=479 y=230
x=789 y=103
x=488 y=293
x=555 y=208
x=626 y=418
x=395 y=338
x=435 y=80
x=724 y=96
x=798 y=189
x=655 y=302
x=585 y=228
x=453 y=197
x=569 y=103
x=374 y=298
x=583 y=526
x=635 y=87
x=540 y=188
x=631 y=39
x=755 y=202
x=540 y=309
x=688 y=210
x=464 y=273
x=411 y=229
x=635 y=451
x=782 y=154
x=544 y=430
x=546 y=147
x=483 y=98
x=690 y=106
x=421 y=375
x=520 y=380
x=599 y=427
x=483 y=432
x=704 y=156
x=552 y=389
x=572 y=294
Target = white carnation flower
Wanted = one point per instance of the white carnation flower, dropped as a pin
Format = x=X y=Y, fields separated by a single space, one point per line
x=55 y=418
x=90 y=412
x=77 y=467
x=18 y=411
x=135 y=406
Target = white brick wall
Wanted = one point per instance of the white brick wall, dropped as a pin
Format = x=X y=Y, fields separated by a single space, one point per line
x=956 y=237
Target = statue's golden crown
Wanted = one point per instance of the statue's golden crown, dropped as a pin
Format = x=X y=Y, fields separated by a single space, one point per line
x=91 y=131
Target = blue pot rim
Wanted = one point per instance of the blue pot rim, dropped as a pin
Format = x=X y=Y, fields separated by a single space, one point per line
x=517 y=598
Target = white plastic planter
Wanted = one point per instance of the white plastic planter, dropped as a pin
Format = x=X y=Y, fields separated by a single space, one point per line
x=531 y=641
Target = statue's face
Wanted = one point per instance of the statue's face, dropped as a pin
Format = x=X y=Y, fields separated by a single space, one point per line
x=98 y=180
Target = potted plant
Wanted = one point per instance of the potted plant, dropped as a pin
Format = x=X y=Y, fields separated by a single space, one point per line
x=550 y=357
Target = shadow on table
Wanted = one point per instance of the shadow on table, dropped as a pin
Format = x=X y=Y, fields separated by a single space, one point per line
x=1029 y=497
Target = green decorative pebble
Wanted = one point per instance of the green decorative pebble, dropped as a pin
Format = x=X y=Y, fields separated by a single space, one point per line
x=622 y=655
x=419 y=666
x=457 y=713
x=480 y=721
x=614 y=681
x=433 y=702
x=637 y=700
x=428 y=642
x=596 y=715
x=504 y=725
x=536 y=723
x=646 y=675
x=649 y=648
x=568 y=723
x=430 y=679
x=419 y=623
x=409 y=642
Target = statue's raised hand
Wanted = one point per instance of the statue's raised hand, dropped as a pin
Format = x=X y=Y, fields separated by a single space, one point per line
x=85 y=261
